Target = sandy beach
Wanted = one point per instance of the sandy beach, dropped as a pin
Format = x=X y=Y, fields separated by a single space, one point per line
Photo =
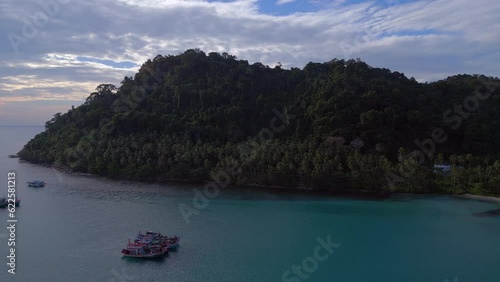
x=479 y=198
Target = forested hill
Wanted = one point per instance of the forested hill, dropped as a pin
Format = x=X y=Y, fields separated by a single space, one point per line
x=340 y=124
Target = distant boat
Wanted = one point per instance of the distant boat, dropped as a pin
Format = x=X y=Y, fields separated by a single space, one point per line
x=172 y=242
x=4 y=202
x=36 y=183
x=149 y=245
x=13 y=156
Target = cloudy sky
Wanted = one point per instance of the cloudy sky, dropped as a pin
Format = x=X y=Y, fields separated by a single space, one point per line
x=53 y=53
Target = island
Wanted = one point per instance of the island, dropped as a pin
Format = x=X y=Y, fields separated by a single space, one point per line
x=337 y=125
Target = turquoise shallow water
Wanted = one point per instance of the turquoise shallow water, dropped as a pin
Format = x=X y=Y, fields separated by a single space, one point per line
x=74 y=229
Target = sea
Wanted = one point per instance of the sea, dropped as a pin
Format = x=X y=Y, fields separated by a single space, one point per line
x=74 y=228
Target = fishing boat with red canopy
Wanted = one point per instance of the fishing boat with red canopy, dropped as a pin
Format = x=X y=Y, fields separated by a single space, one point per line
x=150 y=236
x=150 y=245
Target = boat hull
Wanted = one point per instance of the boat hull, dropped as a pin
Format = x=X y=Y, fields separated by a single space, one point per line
x=128 y=254
x=145 y=256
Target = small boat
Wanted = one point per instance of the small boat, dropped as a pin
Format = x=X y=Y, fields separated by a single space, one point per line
x=173 y=242
x=4 y=202
x=36 y=183
x=155 y=242
x=144 y=251
x=13 y=156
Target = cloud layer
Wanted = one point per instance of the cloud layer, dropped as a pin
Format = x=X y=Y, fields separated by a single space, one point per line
x=60 y=50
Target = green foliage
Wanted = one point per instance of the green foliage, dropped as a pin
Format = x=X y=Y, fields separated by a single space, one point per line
x=194 y=115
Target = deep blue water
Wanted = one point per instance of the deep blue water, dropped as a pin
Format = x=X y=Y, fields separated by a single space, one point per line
x=74 y=228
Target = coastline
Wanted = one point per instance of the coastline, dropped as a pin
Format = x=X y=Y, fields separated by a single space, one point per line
x=489 y=199
x=334 y=191
x=340 y=191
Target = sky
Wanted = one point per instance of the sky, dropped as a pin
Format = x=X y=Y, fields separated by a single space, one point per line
x=54 y=53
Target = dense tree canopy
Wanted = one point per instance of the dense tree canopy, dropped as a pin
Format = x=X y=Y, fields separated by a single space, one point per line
x=338 y=125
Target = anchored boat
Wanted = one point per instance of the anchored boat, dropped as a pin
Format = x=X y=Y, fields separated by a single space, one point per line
x=150 y=245
x=173 y=242
x=36 y=183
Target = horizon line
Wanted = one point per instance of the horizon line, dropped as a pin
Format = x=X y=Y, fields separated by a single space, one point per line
x=19 y=125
